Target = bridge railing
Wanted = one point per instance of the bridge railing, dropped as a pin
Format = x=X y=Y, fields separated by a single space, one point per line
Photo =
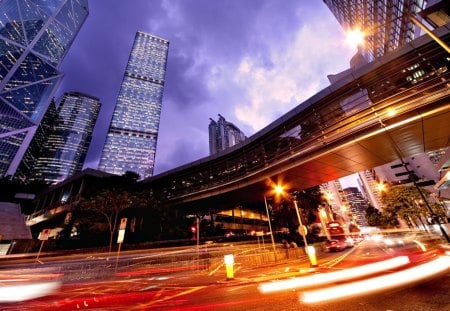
x=410 y=78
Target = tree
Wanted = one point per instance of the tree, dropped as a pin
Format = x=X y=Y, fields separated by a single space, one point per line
x=108 y=204
x=308 y=201
x=374 y=217
x=406 y=203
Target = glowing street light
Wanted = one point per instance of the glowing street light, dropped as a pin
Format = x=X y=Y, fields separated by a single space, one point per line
x=279 y=190
x=310 y=250
x=381 y=187
x=355 y=37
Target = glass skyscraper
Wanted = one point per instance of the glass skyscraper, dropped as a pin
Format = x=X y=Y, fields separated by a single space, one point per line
x=131 y=140
x=385 y=22
x=36 y=149
x=34 y=38
x=64 y=151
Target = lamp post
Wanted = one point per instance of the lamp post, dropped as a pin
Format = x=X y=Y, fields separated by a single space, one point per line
x=300 y=222
x=270 y=228
x=279 y=190
x=310 y=250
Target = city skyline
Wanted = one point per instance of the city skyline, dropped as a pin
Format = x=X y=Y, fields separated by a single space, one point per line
x=252 y=61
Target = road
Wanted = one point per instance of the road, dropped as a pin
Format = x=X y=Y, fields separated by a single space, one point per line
x=212 y=291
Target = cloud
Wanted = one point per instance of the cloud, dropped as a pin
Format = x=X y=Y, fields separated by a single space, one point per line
x=297 y=71
x=251 y=61
x=252 y=72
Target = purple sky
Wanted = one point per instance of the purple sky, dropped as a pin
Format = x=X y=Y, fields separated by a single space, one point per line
x=249 y=60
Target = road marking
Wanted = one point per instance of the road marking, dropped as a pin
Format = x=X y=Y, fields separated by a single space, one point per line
x=185 y=292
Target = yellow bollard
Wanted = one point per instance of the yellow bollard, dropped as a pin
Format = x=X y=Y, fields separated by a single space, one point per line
x=311 y=251
x=229 y=262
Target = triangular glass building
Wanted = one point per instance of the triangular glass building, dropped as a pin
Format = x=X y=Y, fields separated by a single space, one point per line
x=35 y=35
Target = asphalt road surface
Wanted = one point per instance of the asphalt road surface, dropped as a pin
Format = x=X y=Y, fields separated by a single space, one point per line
x=212 y=291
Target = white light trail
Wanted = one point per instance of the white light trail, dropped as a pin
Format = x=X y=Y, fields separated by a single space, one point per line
x=337 y=276
x=417 y=273
x=23 y=292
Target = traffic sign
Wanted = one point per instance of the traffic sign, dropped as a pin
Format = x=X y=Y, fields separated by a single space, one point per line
x=123 y=223
x=122 y=228
x=43 y=236
x=303 y=230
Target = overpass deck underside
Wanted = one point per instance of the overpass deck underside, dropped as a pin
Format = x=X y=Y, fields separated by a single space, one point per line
x=395 y=107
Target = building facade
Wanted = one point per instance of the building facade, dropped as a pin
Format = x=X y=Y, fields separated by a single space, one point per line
x=64 y=150
x=36 y=149
x=34 y=38
x=337 y=201
x=371 y=187
x=358 y=206
x=132 y=136
x=386 y=24
x=223 y=134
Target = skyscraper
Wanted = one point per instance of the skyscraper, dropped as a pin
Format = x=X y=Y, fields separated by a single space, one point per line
x=34 y=38
x=386 y=23
x=132 y=136
x=223 y=134
x=358 y=205
x=65 y=149
x=26 y=170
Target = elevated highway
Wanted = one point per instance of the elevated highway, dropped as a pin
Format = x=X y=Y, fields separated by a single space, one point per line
x=396 y=106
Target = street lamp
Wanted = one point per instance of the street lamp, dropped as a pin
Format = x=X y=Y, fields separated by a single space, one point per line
x=310 y=250
x=300 y=227
x=279 y=190
x=381 y=187
x=270 y=228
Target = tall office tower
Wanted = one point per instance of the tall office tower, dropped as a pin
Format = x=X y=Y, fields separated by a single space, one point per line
x=358 y=205
x=131 y=140
x=36 y=149
x=67 y=145
x=34 y=38
x=223 y=134
x=386 y=23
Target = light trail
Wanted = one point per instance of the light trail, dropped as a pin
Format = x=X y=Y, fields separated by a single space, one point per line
x=337 y=276
x=15 y=293
x=414 y=274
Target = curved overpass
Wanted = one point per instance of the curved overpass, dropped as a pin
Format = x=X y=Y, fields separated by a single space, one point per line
x=396 y=106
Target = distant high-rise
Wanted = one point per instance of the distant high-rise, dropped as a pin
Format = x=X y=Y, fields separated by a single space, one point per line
x=34 y=38
x=337 y=201
x=68 y=143
x=386 y=23
x=371 y=187
x=358 y=205
x=132 y=136
x=223 y=134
